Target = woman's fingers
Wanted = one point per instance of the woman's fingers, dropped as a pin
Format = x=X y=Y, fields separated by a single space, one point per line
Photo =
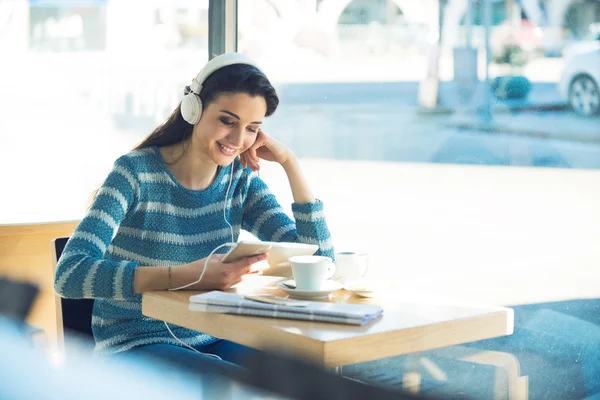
x=247 y=262
x=250 y=156
x=252 y=159
x=217 y=257
x=245 y=160
x=243 y=271
x=232 y=273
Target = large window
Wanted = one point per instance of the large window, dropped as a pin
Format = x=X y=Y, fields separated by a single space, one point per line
x=416 y=170
x=82 y=82
x=376 y=96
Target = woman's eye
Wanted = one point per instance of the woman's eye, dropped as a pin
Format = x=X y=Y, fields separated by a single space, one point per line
x=253 y=130
x=226 y=122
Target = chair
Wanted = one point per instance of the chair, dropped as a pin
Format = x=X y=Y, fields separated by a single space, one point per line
x=73 y=316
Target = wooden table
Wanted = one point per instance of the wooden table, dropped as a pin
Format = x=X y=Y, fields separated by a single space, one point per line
x=404 y=328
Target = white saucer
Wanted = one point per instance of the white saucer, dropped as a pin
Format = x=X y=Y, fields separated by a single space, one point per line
x=361 y=293
x=327 y=288
x=362 y=288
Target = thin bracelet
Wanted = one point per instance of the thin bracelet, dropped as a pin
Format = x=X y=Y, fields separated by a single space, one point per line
x=169 y=272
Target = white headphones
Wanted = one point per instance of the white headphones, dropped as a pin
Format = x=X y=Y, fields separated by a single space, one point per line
x=191 y=105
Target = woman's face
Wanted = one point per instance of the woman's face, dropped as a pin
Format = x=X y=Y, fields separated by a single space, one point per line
x=229 y=126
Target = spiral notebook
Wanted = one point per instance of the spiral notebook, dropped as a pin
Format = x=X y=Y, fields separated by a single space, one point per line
x=229 y=303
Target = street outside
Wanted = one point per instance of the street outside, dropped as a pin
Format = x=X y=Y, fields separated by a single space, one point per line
x=382 y=121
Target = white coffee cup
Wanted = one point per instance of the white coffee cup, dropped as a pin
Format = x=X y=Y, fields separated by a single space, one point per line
x=311 y=272
x=350 y=266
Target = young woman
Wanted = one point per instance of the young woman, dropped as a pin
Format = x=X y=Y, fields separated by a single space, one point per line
x=189 y=187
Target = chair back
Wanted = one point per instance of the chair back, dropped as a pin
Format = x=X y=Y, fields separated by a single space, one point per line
x=73 y=316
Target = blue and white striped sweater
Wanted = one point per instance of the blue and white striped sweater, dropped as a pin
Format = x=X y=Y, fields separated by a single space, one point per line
x=143 y=216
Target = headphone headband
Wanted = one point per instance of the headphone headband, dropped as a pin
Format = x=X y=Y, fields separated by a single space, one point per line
x=217 y=63
x=191 y=104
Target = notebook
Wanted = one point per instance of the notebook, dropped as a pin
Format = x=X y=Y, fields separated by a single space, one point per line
x=229 y=303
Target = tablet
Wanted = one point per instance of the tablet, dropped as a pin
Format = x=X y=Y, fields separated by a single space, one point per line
x=279 y=252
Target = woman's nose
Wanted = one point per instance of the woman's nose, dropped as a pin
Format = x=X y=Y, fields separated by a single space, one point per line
x=236 y=138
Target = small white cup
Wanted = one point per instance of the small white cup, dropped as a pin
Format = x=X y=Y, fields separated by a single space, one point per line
x=311 y=272
x=350 y=266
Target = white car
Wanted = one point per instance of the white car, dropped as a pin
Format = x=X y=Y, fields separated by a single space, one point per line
x=580 y=82
x=589 y=42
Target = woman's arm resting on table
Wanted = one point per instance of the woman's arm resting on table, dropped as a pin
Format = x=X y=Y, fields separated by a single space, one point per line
x=218 y=275
x=82 y=271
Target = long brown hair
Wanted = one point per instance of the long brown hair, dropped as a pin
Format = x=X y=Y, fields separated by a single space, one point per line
x=173 y=130
x=235 y=78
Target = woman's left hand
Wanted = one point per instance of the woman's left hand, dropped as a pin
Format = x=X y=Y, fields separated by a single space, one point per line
x=267 y=148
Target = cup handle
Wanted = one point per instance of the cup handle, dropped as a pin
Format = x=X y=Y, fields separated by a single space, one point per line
x=332 y=269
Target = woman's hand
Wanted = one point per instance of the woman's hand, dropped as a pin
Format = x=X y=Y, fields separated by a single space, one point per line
x=267 y=148
x=218 y=275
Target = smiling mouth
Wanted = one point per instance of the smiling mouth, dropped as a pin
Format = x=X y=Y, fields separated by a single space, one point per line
x=226 y=150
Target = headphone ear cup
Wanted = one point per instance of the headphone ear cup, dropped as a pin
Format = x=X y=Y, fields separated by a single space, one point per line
x=191 y=108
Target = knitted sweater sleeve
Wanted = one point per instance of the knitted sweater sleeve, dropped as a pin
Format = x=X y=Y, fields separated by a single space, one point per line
x=82 y=271
x=264 y=218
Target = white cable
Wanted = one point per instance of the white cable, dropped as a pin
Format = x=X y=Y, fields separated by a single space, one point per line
x=232 y=243
x=190 y=347
x=205 y=266
x=225 y=205
x=203 y=269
